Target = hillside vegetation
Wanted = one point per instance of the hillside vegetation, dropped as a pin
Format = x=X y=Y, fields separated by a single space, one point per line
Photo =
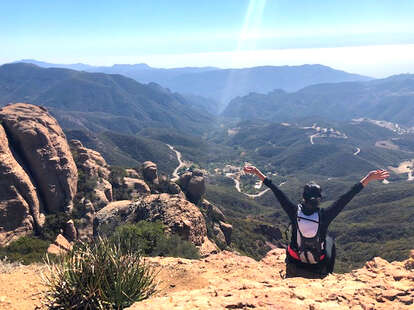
x=388 y=99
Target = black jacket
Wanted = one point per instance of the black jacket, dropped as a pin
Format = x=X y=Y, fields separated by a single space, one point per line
x=327 y=215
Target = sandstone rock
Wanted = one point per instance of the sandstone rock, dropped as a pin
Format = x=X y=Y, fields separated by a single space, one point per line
x=20 y=209
x=208 y=247
x=214 y=212
x=184 y=179
x=216 y=219
x=137 y=187
x=132 y=173
x=60 y=246
x=167 y=186
x=149 y=172
x=196 y=188
x=63 y=243
x=42 y=146
x=227 y=230
x=229 y=281
x=94 y=166
x=103 y=193
x=219 y=234
x=85 y=226
x=69 y=231
x=193 y=185
x=91 y=161
x=180 y=216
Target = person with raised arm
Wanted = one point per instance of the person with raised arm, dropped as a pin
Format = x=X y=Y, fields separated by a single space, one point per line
x=310 y=247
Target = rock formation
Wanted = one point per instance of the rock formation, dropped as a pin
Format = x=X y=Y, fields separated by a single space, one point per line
x=37 y=171
x=19 y=205
x=85 y=224
x=159 y=184
x=230 y=281
x=42 y=148
x=193 y=185
x=136 y=187
x=93 y=166
x=177 y=214
x=216 y=220
x=149 y=172
x=60 y=246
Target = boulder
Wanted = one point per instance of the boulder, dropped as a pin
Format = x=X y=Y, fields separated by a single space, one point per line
x=136 y=187
x=41 y=145
x=196 y=188
x=167 y=186
x=132 y=173
x=219 y=235
x=177 y=214
x=184 y=179
x=60 y=246
x=69 y=231
x=149 y=172
x=193 y=185
x=227 y=230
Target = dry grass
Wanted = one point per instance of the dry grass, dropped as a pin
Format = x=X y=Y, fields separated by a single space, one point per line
x=7 y=267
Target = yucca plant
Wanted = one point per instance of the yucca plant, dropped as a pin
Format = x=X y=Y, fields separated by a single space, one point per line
x=98 y=276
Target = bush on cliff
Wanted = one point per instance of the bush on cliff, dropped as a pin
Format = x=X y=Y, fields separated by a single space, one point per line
x=149 y=239
x=98 y=276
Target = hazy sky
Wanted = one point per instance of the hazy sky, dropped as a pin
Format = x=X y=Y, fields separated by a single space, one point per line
x=369 y=37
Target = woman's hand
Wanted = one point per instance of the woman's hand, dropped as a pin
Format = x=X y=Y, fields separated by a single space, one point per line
x=379 y=174
x=254 y=170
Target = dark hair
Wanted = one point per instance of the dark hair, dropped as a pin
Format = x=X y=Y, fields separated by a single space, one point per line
x=312 y=191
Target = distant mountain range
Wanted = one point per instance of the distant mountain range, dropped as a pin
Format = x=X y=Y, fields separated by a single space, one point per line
x=97 y=101
x=222 y=85
x=390 y=99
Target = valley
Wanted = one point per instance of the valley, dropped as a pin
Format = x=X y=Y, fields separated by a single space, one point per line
x=291 y=144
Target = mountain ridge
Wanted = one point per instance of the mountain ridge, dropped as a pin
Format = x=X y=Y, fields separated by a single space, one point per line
x=221 y=84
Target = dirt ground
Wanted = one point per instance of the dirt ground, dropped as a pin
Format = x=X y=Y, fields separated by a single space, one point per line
x=229 y=281
x=21 y=287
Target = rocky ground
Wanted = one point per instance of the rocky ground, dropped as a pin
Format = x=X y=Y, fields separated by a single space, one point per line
x=230 y=281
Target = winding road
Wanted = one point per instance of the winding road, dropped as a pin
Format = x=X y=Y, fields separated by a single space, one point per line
x=181 y=164
x=237 y=186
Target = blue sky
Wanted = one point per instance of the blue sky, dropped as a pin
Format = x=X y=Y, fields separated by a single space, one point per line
x=379 y=35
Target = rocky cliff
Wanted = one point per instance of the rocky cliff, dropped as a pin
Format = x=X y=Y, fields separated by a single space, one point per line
x=42 y=174
x=37 y=171
x=230 y=281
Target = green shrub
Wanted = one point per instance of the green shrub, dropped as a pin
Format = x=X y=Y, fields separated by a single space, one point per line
x=141 y=237
x=26 y=250
x=98 y=276
x=149 y=239
x=53 y=225
x=176 y=247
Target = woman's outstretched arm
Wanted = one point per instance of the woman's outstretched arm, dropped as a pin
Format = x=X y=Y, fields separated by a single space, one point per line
x=332 y=211
x=284 y=201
